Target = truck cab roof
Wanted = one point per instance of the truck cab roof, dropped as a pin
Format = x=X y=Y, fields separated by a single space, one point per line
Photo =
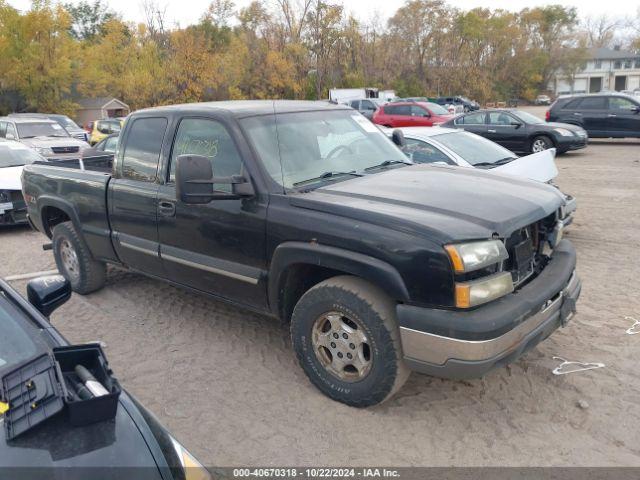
x=247 y=108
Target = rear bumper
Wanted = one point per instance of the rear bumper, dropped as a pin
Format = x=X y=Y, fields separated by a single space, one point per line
x=467 y=344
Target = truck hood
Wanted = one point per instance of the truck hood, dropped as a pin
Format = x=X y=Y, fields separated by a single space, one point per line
x=54 y=142
x=539 y=166
x=444 y=202
x=10 y=178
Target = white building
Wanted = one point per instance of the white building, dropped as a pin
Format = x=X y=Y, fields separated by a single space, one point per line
x=606 y=70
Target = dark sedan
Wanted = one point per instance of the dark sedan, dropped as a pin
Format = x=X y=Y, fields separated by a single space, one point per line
x=520 y=131
x=131 y=445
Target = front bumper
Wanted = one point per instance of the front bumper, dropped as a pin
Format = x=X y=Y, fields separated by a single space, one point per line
x=566 y=144
x=467 y=344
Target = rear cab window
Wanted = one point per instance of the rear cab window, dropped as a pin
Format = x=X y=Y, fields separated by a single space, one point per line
x=142 y=149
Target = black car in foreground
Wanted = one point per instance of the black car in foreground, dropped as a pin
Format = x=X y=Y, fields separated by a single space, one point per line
x=307 y=212
x=131 y=445
x=601 y=114
x=520 y=131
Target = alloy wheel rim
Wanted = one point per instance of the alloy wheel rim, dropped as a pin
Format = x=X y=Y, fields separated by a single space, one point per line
x=539 y=146
x=342 y=346
x=69 y=259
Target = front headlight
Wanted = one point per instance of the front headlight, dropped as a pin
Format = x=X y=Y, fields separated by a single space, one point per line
x=193 y=469
x=477 y=292
x=564 y=132
x=468 y=257
x=43 y=150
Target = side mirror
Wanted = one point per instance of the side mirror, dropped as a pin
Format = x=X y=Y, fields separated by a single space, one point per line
x=635 y=109
x=397 y=137
x=516 y=124
x=10 y=136
x=195 y=182
x=48 y=293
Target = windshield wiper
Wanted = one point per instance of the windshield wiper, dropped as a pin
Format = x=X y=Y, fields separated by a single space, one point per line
x=326 y=175
x=502 y=161
x=386 y=163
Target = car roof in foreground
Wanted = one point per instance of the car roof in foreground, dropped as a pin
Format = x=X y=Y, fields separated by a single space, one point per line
x=249 y=108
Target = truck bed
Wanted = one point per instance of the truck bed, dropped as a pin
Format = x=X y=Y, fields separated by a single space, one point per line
x=80 y=194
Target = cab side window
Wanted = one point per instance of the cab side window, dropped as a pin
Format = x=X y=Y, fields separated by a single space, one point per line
x=142 y=149
x=209 y=138
x=3 y=129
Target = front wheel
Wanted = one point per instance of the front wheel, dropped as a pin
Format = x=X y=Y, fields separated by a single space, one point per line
x=541 y=143
x=346 y=338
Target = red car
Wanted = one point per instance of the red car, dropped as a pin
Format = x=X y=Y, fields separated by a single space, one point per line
x=411 y=114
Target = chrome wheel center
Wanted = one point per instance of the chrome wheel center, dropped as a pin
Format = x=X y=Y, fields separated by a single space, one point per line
x=69 y=259
x=341 y=346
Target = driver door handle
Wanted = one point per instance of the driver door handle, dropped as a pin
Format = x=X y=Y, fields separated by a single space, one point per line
x=167 y=208
x=491 y=131
x=612 y=115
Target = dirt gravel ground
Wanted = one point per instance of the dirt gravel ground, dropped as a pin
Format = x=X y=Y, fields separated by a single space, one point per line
x=227 y=385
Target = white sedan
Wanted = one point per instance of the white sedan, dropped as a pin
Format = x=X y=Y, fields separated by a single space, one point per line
x=465 y=149
x=13 y=157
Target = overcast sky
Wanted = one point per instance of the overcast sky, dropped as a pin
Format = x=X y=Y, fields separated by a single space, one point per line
x=189 y=11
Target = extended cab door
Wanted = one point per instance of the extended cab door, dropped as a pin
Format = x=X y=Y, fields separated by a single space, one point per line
x=133 y=195
x=218 y=247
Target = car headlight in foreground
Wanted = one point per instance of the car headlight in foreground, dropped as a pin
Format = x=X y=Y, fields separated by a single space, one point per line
x=473 y=256
x=564 y=132
x=477 y=292
x=467 y=257
x=193 y=469
x=43 y=150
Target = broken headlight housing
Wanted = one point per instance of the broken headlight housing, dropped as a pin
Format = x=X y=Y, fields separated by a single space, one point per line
x=475 y=256
x=468 y=257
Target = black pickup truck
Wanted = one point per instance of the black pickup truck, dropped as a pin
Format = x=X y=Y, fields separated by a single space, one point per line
x=306 y=211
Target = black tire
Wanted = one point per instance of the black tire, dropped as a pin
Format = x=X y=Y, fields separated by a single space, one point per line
x=374 y=311
x=540 y=139
x=89 y=274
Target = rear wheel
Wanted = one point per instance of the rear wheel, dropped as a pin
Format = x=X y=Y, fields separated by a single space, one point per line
x=346 y=338
x=541 y=143
x=74 y=261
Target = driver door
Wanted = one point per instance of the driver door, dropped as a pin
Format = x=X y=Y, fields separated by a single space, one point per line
x=218 y=247
x=503 y=130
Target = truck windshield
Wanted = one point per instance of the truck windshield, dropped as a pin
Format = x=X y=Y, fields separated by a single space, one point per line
x=301 y=147
x=44 y=129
